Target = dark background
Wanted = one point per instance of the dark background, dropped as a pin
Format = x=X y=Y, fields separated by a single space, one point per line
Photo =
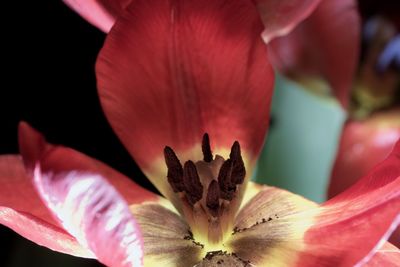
x=48 y=80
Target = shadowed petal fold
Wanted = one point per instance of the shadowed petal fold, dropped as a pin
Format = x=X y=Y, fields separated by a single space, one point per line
x=282 y=16
x=167 y=75
x=349 y=228
x=325 y=44
x=22 y=210
x=100 y=13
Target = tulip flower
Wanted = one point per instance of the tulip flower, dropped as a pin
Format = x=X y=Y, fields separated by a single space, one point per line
x=186 y=85
x=317 y=39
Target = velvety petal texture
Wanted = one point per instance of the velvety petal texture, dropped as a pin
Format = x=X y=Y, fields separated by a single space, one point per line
x=171 y=71
x=100 y=13
x=282 y=16
x=349 y=227
x=326 y=44
x=22 y=210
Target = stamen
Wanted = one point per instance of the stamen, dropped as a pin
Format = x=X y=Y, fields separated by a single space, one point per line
x=205 y=147
x=191 y=180
x=212 y=200
x=224 y=180
x=175 y=170
x=209 y=191
x=238 y=170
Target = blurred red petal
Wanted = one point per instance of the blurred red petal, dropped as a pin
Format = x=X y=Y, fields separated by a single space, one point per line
x=172 y=70
x=351 y=225
x=100 y=13
x=363 y=144
x=33 y=148
x=282 y=16
x=325 y=44
x=91 y=210
x=22 y=210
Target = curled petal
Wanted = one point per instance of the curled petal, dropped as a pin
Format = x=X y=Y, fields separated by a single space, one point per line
x=325 y=44
x=282 y=16
x=171 y=71
x=22 y=210
x=92 y=211
x=100 y=13
x=35 y=149
x=354 y=223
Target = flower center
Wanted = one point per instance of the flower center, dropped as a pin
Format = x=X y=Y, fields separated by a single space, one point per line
x=210 y=191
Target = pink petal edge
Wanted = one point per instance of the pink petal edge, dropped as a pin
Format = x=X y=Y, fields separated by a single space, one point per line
x=100 y=13
x=94 y=213
x=22 y=210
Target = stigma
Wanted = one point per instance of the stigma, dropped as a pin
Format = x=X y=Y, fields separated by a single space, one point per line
x=210 y=191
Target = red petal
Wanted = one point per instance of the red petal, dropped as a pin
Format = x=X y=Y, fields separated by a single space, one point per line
x=282 y=16
x=350 y=226
x=327 y=44
x=363 y=144
x=387 y=256
x=22 y=210
x=94 y=213
x=61 y=159
x=100 y=13
x=172 y=70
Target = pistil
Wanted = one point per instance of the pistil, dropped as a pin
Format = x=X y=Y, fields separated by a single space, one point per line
x=209 y=190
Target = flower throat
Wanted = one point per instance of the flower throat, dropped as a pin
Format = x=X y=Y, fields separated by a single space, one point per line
x=210 y=191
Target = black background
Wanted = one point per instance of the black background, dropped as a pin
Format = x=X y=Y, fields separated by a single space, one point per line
x=48 y=80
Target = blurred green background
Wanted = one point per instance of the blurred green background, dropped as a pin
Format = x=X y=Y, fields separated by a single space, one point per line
x=302 y=140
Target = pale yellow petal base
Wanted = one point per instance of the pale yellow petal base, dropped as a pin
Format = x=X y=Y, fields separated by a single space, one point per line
x=268 y=231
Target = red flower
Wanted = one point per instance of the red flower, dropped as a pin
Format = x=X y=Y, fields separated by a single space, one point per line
x=169 y=72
